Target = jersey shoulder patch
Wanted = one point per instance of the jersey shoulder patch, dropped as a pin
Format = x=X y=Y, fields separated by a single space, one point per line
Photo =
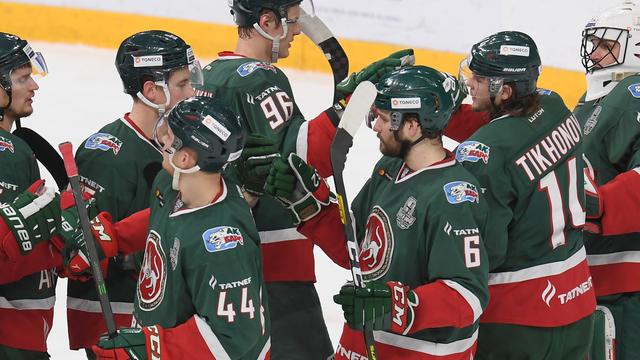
x=634 y=89
x=460 y=191
x=103 y=141
x=6 y=145
x=473 y=151
x=248 y=68
x=222 y=238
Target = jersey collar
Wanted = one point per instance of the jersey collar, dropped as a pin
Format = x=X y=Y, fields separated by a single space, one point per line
x=405 y=173
x=229 y=55
x=218 y=199
x=128 y=122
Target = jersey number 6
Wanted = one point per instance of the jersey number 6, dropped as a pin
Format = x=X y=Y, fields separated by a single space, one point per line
x=277 y=108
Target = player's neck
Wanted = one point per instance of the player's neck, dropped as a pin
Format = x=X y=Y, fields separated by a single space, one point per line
x=254 y=48
x=144 y=117
x=7 y=123
x=200 y=188
x=424 y=154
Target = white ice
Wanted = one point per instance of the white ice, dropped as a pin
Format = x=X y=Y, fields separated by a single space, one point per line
x=83 y=92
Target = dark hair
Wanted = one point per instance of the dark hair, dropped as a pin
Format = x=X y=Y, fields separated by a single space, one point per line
x=245 y=32
x=517 y=106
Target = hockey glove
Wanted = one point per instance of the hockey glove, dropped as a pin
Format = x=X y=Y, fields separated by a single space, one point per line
x=374 y=71
x=377 y=306
x=593 y=204
x=32 y=218
x=75 y=257
x=255 y=162
x=130 y=343
x=298 y=187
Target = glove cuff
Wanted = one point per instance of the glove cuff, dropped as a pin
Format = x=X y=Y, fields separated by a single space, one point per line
x=154 y=344
x=403 y=302
x=17 y=224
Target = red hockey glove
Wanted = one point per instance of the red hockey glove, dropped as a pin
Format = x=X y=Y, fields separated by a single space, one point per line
x=131 y=343
x=593 y=204
x=298 y=187
x=32 y=218
x=75 y=251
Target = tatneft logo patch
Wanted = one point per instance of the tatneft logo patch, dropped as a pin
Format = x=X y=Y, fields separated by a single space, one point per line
x=516 y=50
x=406 y=103
x=147 y=61
x=217 y=128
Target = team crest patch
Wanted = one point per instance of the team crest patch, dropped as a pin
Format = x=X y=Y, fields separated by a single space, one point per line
x=377 y=247
x=222 y=238
x=247 y=68
x=104 y=142
x=405 y=216
x=592 y=121
x=473 y=151
x=634 y=89
x=460 y=191
x=6 y=144
x=153 y=275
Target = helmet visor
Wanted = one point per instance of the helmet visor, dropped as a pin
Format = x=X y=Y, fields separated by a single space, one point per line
x=164 y=137
x=38 y=65
x=195 y=71
x=478 y=86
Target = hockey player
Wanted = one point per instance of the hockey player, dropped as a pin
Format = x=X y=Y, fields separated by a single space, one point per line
x=200 y=292
x=528 y=162
x=420 y=220
x=608 y=115
x=261 y=94
x=28 y=301
x=118 y=163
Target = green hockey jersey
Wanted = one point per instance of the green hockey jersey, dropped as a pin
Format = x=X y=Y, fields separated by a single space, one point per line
x=530 y=171
x=112 y=164
x=203 y=265
x=426 y=230
x=28 y=301
x=611 y=127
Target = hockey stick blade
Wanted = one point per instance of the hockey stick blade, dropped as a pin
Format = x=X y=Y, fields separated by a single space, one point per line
x=46 y=154
x=319 y=33
x=354 y=115
x=72 y=172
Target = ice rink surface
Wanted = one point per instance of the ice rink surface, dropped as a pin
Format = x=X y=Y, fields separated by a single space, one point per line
x=83 y=92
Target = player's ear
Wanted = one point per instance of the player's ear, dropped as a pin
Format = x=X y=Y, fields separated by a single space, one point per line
x=149 y=90
x=507 y=92
x=4 y=98
x=268 y=21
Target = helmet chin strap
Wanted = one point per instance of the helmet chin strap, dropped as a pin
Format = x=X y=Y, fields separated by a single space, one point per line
x=275 y=41
x=406 y=145
x=177 y=171
x=162 y=108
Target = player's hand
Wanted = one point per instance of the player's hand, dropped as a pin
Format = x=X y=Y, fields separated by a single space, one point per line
x=374 y=71
x=32 y=217
x=76 y=260
x=377 y=306
x=593 y=202
x=299 y=187
x=129 y=343
x=255 y=162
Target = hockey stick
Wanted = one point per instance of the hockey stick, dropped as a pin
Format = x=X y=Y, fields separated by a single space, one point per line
x=72 y=172
x=45 y=153
x=353 y=117
x=320 y=34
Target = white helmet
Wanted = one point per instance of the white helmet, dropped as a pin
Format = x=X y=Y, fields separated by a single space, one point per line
x=622 y=25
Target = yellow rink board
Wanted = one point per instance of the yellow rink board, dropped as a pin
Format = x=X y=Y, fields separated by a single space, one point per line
x=107 y=29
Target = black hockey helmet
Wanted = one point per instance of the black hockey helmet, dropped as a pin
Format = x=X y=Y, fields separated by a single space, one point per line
x=507 y=57
x=153 y=54
x=209 y=127
x=15 y=52
x=421 y=91
x=247 y=12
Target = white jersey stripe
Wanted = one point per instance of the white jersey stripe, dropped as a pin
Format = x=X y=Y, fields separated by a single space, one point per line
x=273 y=236
x=614 y=258
x=28 y=304
x=470 y=297
x=218 y=352
x=425 y=347
x=122 y=308
x=539 y=271
x=265 y=350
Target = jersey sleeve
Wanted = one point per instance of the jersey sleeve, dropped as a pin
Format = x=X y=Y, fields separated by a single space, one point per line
x=455 y=292
x=327 y=231
x=464 y=122
x=497 y=191
x=227 y=296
